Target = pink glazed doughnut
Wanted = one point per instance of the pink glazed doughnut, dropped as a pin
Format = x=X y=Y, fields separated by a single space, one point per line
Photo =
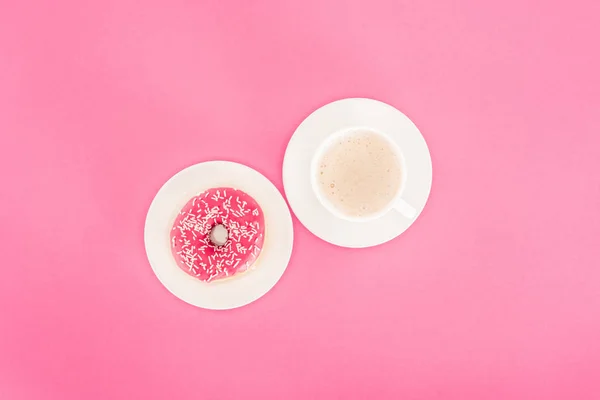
x=218 y=234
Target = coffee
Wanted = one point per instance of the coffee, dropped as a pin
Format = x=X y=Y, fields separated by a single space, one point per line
x=359 y=173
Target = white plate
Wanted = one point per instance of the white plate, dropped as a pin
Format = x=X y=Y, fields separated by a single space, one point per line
x=334 y=117
x=238 y=290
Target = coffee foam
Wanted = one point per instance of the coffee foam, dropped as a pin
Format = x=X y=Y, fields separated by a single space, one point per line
x=359 y=173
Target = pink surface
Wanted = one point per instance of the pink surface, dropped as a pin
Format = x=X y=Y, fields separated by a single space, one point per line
x=493 y=294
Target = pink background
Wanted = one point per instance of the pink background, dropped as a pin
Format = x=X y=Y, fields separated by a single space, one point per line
x=493 y=294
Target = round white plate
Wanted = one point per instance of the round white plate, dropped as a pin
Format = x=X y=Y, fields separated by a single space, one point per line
x=346 y=114
x=238 y=290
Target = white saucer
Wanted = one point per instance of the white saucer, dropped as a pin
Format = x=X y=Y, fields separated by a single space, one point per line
x=334 y=117
x=238 y=290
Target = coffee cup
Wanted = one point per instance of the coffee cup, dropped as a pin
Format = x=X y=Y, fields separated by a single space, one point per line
x=359 y=174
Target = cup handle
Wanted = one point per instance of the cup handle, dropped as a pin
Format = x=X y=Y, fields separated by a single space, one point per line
x=405 y=209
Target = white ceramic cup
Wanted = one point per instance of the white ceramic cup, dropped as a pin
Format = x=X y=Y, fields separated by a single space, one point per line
x=397 y=204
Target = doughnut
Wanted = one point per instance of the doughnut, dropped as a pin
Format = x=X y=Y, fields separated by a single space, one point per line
x=218 y=234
